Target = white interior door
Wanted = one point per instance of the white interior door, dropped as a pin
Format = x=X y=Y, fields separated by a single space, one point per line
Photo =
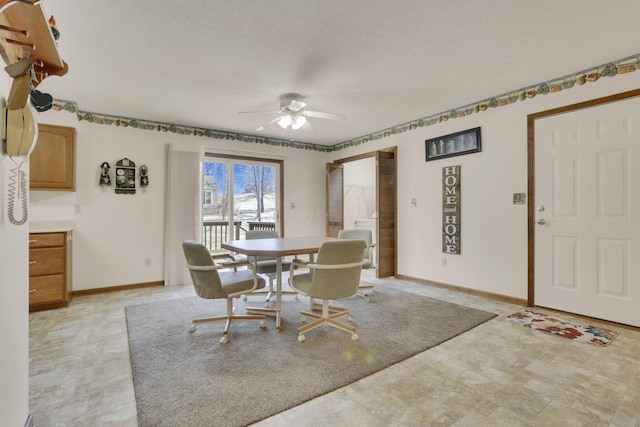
x=587 y=212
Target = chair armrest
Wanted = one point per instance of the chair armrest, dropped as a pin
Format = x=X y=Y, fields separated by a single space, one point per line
x=227 y=255
x=204 y=267
x=232 y=264
x=334 y=266
x=295 y=263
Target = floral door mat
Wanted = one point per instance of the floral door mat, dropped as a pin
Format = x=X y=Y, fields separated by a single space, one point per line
x=575 y=331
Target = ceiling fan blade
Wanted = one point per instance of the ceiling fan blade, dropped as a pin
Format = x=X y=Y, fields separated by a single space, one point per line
x=307 y=127
x=269 y=123
x=323 y=115
x=259 y=112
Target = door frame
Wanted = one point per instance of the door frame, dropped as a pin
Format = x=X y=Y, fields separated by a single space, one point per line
x=531 y=118
x=381 y=238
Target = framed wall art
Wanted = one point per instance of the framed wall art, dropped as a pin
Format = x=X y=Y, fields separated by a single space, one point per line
x=455 y=144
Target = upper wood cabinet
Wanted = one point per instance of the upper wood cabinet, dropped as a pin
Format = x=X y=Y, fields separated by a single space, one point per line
x=52 y=162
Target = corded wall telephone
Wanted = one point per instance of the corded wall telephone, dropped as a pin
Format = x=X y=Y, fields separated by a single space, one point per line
x=20 y=132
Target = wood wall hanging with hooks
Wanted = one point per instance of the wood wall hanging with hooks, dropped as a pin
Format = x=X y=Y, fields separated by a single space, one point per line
x=25 y=31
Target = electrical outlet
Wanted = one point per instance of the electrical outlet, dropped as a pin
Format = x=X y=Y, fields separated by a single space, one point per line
x=444 y=262
x=147 y=262
x=414 y=202
x=292 y=206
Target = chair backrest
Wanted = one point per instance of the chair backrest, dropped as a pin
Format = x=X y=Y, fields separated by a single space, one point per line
x=360 y=234
x=339 y=282
x=206 y=283
x=262 y=234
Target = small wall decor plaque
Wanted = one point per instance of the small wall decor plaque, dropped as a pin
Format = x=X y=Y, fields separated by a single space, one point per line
x=144 y=176
x=455 y=144
x=125 y=177
x=105 y=179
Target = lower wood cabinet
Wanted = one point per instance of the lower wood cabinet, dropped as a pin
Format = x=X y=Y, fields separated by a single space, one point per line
x=49 y=270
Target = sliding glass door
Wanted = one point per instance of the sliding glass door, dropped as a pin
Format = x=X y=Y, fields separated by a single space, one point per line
x=239 y=194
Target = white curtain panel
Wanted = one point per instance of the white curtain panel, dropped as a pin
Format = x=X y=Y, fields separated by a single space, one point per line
x=183 y=210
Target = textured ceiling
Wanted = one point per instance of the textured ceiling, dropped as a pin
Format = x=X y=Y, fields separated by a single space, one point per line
x=380 y=63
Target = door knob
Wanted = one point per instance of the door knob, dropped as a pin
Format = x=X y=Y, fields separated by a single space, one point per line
x=541 y=221
x=540 y=208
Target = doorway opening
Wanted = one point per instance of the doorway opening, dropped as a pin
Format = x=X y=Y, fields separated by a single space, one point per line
x=362 y=193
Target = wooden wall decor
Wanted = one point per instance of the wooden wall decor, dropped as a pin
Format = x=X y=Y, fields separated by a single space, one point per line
x=451 y=209
x=125 y=177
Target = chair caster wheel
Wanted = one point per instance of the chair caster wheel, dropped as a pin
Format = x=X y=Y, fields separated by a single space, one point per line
x=263 y=324
x=354 y=337
x=349 y=319
x=303 y=319
x=301 y=338
x=296 y=297
x=244 y=297
x=367 y=299
x=266 y=304
x=224 y=340
x=192 y=328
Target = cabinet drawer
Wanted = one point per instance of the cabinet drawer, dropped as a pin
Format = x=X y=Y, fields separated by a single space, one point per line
x=43 y=240
x=46 y=261
x=44 y=289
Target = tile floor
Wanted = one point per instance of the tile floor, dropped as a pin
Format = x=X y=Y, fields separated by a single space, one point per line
x=498 y=374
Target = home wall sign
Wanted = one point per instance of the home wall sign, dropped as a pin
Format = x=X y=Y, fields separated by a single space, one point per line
x=455 y=144
x=451 y=209
x=125 y=177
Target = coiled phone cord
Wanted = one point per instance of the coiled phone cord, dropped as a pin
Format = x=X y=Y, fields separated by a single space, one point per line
x=21 y=190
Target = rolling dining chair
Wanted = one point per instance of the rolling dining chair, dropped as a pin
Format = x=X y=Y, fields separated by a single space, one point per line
x=334 y=275
x=365 y=289
x=267 y=265
x=210 y=283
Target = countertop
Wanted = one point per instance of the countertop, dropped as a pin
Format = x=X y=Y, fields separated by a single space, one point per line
x=51 y=226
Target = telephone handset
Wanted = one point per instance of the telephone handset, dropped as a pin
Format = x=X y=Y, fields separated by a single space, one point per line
x=20 y=131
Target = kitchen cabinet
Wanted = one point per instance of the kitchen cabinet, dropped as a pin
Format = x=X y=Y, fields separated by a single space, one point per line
x=49 y=270
x=52 y=162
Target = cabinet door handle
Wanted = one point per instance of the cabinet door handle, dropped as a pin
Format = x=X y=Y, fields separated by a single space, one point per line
x=33 y=241
x=33 y=262
x=32 y=291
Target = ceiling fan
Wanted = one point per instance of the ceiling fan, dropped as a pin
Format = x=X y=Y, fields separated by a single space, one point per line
x=292 y=114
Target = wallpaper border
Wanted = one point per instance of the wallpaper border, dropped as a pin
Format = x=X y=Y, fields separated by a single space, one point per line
x=591 y=75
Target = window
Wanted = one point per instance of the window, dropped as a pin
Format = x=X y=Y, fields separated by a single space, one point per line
x=240 y=194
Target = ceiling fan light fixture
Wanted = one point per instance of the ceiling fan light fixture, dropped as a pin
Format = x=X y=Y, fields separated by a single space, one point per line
x=298 y=122
x=285 y=121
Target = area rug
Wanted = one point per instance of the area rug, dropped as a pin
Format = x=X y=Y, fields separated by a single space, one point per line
x=575 y=331
x=189 y=379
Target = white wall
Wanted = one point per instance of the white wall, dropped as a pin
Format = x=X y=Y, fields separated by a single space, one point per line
x=14 y=301
x=359 y=191
x=494 y=231
x=115 y=233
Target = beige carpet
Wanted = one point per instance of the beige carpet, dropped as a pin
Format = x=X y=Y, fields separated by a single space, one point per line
x=189 y=379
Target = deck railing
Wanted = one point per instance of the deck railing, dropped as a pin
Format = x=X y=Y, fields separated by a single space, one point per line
x=261 y=225
x=214 y=233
